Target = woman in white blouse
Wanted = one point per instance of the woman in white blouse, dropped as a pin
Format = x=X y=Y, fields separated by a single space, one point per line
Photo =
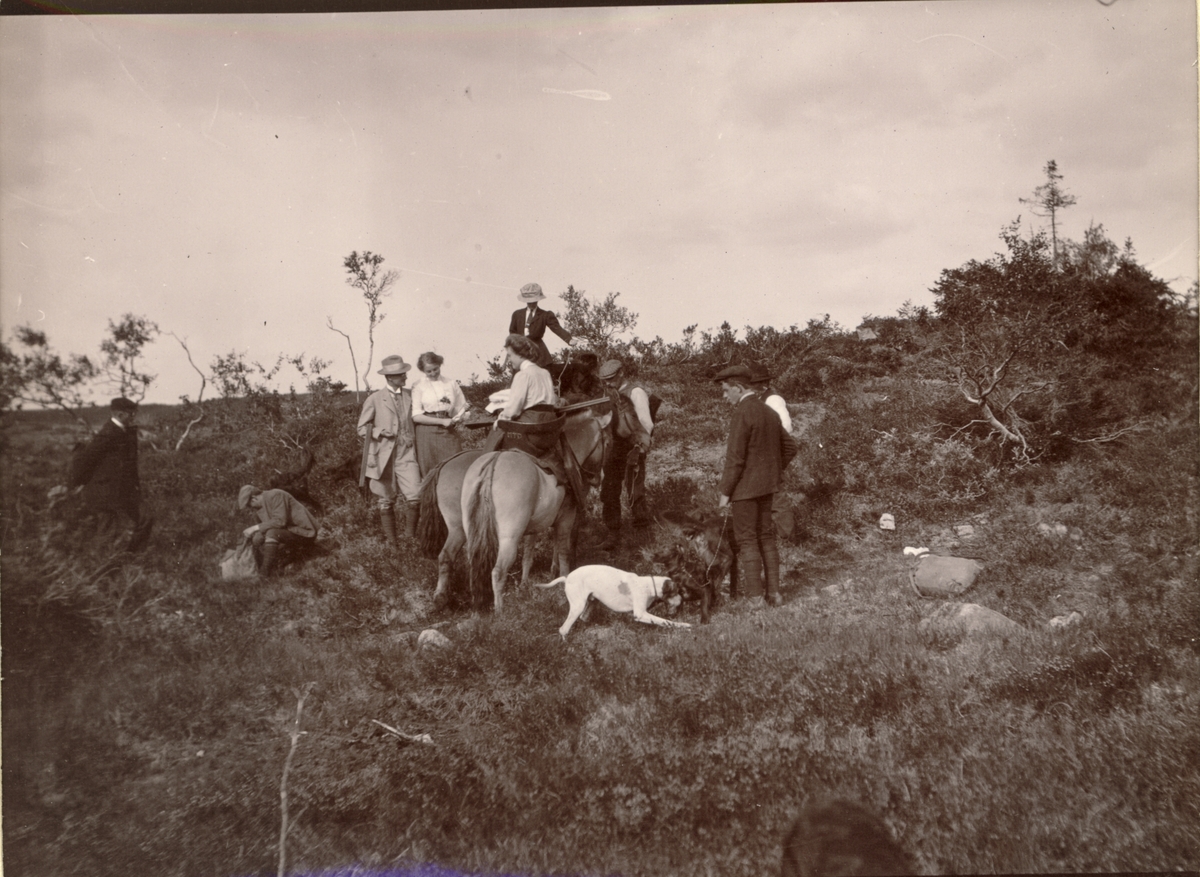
x=438 y=406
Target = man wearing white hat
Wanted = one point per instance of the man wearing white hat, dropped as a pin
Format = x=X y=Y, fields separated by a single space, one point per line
x=532 y=322
x=390 y=459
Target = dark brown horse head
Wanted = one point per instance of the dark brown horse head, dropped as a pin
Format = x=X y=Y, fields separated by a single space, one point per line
x=586 y=433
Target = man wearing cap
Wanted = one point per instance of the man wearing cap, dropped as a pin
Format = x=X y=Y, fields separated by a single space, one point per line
x=781 y=510
x=107 y=471
x=632 y=428
x=389 y=457
x=756 y=454
x=282 y=520
x=760 y=378
x=532 y=322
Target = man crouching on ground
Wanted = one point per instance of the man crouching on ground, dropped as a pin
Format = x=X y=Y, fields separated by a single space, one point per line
x=282 y=520
x=755 y=457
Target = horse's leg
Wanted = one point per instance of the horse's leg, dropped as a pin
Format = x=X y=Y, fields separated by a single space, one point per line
x=564 y=538
x=454 y=544
x=505 y=556
x=528 y=550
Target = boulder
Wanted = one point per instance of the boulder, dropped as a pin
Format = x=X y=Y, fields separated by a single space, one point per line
x=938 y=575
x=970 y=619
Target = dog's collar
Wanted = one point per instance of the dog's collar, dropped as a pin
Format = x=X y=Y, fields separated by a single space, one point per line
x=654 y=585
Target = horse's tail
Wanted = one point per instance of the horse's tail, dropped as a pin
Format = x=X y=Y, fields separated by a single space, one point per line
x=557 y=581
x=431 y=526
x=483 y=539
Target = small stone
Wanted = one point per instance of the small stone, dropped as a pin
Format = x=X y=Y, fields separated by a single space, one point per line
x=433 y=638
x=887 y=522
x=966 y=531
x=832 y=590
x=1060 y=621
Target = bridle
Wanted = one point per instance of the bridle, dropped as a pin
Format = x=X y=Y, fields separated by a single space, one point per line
x=599 y=441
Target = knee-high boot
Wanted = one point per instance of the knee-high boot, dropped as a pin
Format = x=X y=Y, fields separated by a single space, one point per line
x=412 y=519
x=750 y=572
x=266 y=566
x=771 y=572
x=387 y=520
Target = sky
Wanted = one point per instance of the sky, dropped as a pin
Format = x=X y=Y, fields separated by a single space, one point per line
x=756 y=164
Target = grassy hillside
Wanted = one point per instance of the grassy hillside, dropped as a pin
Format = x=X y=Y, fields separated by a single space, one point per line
x=147 y=704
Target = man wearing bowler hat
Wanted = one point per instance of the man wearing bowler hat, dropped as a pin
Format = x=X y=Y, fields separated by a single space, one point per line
x=107 y=472
x=389 y=457
x=756 y=454
x=532 y=322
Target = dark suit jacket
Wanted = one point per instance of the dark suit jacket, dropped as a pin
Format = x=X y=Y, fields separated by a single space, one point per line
x=542 y=320
x=757 y=452
x=108 y=466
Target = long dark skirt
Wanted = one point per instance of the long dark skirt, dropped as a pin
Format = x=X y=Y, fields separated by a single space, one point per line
x=435 y=444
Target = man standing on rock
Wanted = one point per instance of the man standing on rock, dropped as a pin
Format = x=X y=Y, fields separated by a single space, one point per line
x=389 y=457
x=756 y=454
x=107 y=471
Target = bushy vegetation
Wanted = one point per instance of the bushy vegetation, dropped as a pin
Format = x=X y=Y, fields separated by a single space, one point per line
x=148 y=705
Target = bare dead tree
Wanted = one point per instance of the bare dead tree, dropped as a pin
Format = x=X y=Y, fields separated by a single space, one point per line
x=295 y=733
x=199 y=398
x=353 y=363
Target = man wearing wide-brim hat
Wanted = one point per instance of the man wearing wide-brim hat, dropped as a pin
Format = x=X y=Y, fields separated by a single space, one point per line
x=107 y=471
x=532 y=322
x=389 y=456
x=756 y=454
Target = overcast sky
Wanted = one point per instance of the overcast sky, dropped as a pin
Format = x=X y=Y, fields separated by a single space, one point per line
x=761 y=164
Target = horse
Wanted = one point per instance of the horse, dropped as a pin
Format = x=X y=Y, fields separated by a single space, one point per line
x=506 y=497
x=441 y=531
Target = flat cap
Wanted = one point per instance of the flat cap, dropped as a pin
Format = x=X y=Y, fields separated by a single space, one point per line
x=739 y=373
x=123 y=404
x=610 y=369
x=244 y=494
x=759 y=374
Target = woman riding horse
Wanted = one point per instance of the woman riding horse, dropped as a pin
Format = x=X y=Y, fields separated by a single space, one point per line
x=531 y=400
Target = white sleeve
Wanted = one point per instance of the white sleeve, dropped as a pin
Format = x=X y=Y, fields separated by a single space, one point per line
x=776 y=404
x=641 y=406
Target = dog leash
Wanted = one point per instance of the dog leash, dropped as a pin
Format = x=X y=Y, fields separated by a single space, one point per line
x=717 y=553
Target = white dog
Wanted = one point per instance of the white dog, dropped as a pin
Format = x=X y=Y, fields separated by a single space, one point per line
x=620 y=591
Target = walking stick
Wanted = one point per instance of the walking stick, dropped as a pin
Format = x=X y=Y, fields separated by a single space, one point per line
x=362 y=468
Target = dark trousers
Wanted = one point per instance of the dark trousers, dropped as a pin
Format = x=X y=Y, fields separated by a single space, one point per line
x=108 y=525
x=625 y=469
x=755 y=550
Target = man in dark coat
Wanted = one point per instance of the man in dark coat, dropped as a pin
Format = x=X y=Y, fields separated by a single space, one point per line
x=757 y=452
x=107 y=470
x=532 y=322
